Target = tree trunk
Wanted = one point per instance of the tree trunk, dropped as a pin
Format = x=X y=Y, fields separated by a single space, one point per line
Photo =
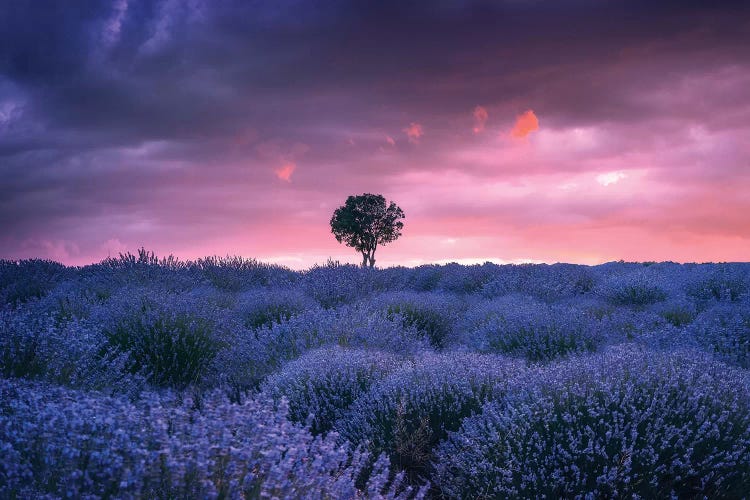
x=364 y=259
x=372 y=260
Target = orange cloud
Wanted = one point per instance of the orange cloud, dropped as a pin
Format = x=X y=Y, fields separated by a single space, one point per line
x=526 y=123
x=480 y=118
x=414 y=132
x=285 y=171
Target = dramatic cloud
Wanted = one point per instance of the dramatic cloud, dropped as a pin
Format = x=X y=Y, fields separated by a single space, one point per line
x=480 y=118
x=526 y=123
x=178 y=125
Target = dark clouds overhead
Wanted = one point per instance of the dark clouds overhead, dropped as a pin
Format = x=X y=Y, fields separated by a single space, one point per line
x=149 y=122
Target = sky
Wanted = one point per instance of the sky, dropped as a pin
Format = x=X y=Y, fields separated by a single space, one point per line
x=507 y=131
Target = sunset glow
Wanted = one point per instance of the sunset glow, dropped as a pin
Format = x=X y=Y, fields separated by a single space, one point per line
x=200 y=128
x=526 y=123
x=285 y=172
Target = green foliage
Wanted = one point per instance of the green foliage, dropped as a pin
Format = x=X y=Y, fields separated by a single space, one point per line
x=364 y=222
x=427 y=322
x=171 y=347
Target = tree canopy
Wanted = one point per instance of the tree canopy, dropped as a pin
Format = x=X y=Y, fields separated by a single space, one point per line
x=366 y=221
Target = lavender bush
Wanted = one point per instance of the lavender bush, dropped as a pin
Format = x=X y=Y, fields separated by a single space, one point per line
x=170 y=339
x=409 y=412
x=724 y=330
x=549 y=283
x=264 y=307
x=433 y=315
x=633 y=289
x=722 y=282
x=626 y=423
x=59 y=443
x=324 y=383
x=520 y=326
x=154 y=377
x=251 y=356
x=21 y=281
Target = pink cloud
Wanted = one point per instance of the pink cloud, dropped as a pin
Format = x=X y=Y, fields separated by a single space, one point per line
x=526 y=123
x=285 y=171
x=480 y=119
x=390 y=140
x=414 y=132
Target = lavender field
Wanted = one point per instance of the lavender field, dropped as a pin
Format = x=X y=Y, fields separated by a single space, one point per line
x=142 y=377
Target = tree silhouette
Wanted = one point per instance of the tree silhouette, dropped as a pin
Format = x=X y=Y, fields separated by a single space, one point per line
x=364 y=222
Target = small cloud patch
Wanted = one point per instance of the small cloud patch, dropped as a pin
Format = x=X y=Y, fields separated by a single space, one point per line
x=285 y=171
x=610 y=178
x=526 y=123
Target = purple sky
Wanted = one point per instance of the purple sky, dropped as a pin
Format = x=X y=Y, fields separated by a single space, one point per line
x=577 y=131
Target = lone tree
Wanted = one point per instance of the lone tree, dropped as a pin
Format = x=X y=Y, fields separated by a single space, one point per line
x=364 y=222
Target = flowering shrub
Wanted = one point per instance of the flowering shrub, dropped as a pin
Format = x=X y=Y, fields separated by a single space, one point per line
x=346 y=326
x=433 y=315
x=251 y=356
x=354 y=351
x=723 y=282
x=544 y=282
x=325 y=382
x=336 y=284
x=421 y=279
x=264 y=307
x=465 y=279
x=66 y=302
x=24 y=280
x=622 y=324
x=679 y=311
x=633 y=289
x=520 y=326
x=25 y=344
x=37 y=346
x=235 y=274
x=410 y=411
x=627 y=423
x=725 y=330
x=64 y=443
x=170 y=340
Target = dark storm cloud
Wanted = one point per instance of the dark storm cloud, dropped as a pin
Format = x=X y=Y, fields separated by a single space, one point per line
x=186 y=69
x=128 y=108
